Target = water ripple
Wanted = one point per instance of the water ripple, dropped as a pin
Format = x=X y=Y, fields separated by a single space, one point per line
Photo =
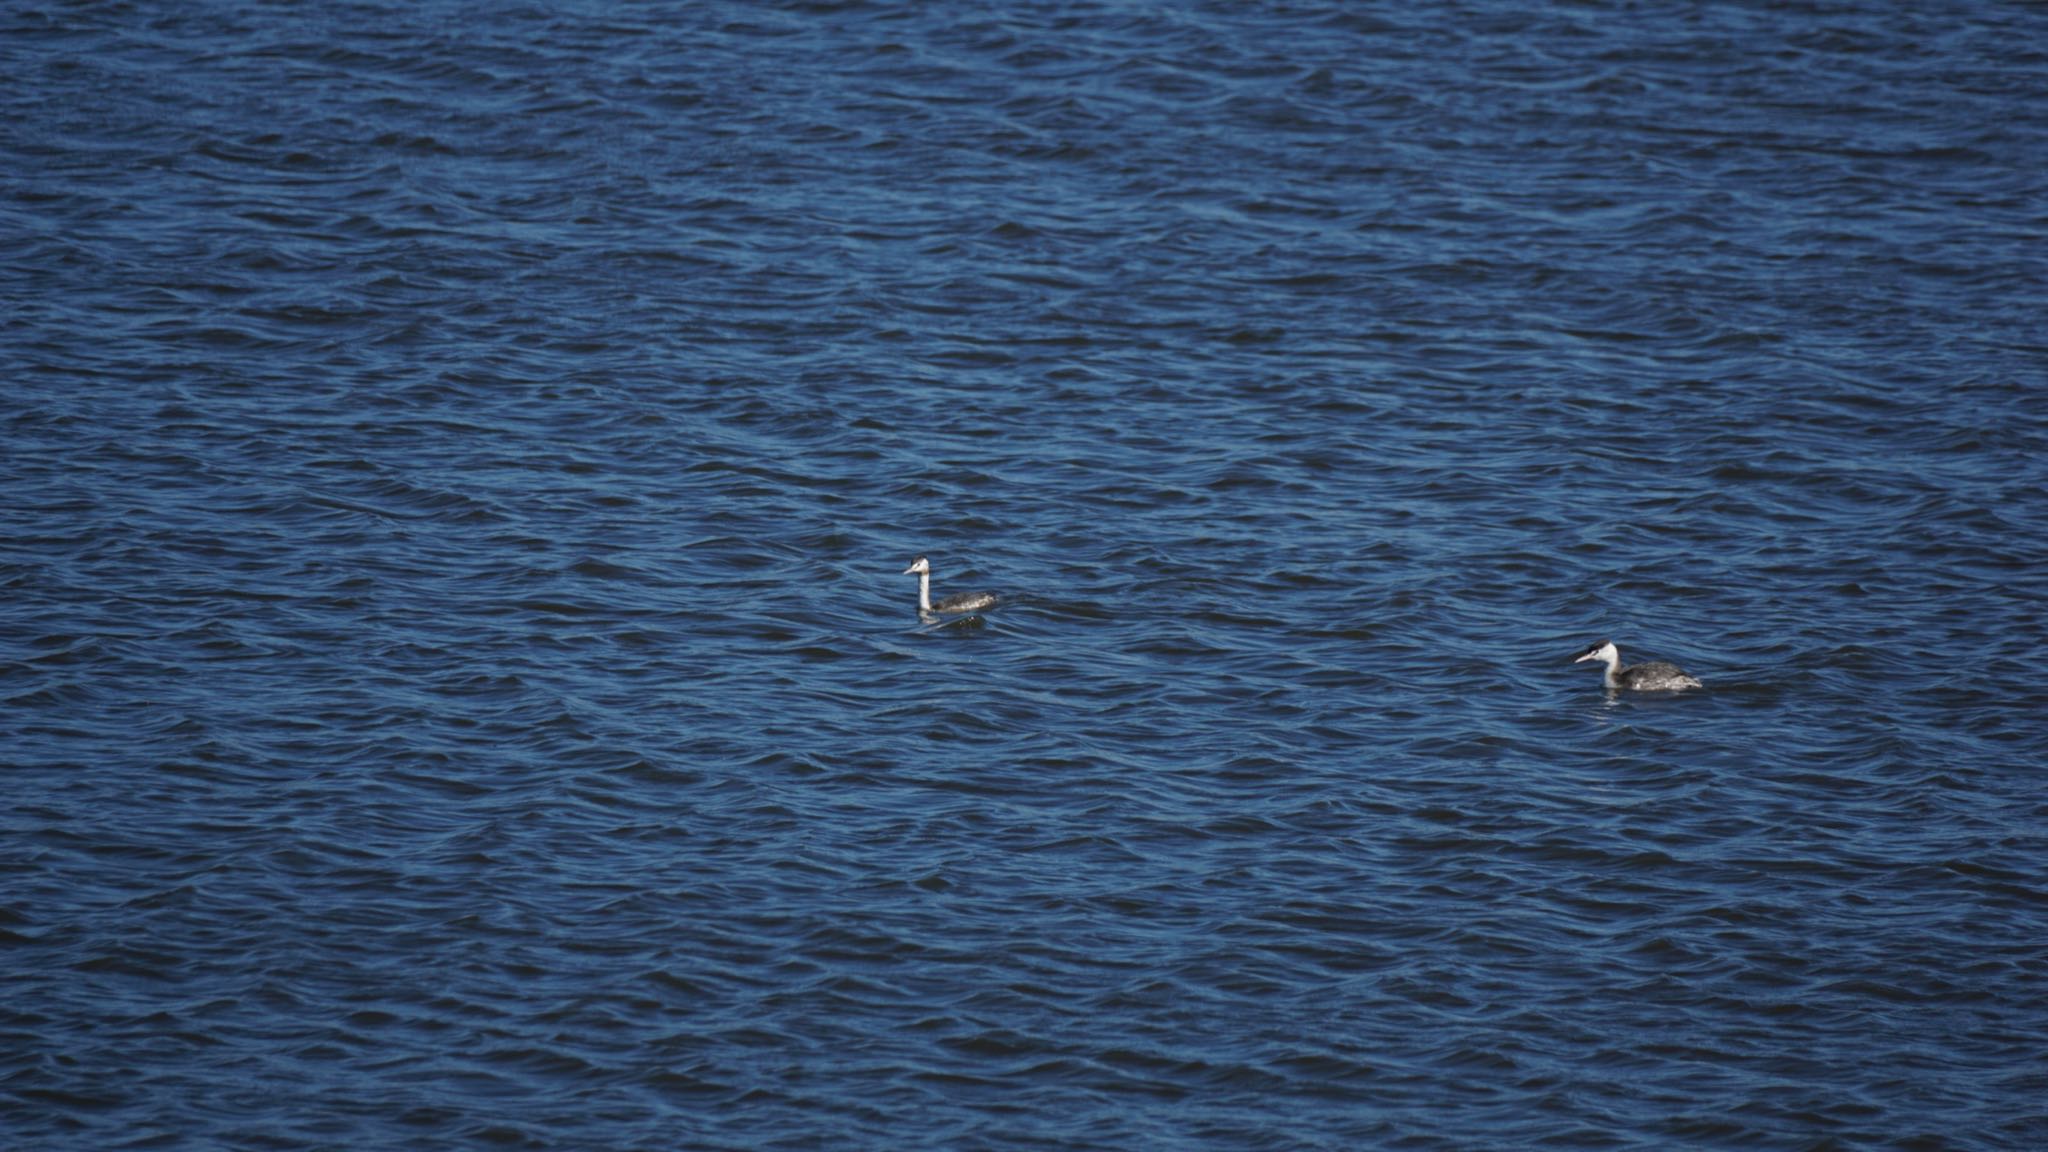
x=460 y=686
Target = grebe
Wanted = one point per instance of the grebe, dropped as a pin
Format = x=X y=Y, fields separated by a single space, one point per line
x=951 y=605
x=1655 y=676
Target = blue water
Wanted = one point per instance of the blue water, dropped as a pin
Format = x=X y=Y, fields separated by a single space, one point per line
x=460 y=689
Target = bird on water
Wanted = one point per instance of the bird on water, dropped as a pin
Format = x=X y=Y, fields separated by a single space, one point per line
x=1654 y=676
x=951 y=605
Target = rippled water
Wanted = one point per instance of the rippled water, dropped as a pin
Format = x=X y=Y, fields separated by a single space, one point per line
x=460 y=689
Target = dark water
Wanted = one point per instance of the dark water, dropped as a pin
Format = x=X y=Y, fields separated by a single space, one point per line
x=459 y=689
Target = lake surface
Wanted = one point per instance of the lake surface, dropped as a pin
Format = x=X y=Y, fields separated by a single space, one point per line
x=460 y=689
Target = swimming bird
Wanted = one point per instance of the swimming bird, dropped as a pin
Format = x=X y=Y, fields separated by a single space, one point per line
x=951 y=605
x=1655 y=676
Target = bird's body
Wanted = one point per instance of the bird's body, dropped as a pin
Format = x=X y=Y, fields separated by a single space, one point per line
x=1653 y=676
x=958 y=605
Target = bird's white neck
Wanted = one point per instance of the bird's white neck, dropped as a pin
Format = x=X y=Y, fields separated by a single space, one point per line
x=1613 y=658
x=924 y=593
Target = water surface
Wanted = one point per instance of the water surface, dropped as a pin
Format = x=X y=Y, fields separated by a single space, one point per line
x=459 y=688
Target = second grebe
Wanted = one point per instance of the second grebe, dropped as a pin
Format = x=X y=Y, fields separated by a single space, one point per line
x=1655 y=676
x=951 y=605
